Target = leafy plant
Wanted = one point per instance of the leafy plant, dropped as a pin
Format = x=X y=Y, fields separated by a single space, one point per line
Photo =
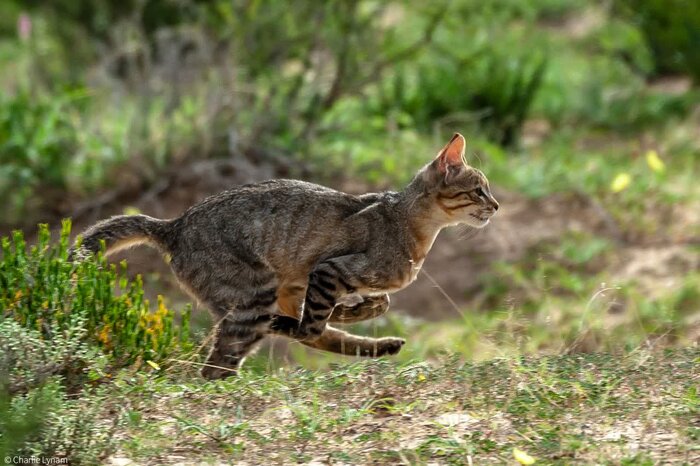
x=36 y=138
x=47 y=422
x=671 y=30
x=71 y=310
x=491 y=87
x=64 y=325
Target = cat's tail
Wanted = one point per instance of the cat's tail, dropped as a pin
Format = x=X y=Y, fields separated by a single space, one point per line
x=121 y=232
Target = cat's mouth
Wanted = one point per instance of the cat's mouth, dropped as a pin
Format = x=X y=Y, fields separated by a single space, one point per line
x=480 y=222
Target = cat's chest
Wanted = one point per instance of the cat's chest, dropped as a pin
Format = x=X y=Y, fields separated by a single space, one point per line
x=404 y=277
x=414 y=269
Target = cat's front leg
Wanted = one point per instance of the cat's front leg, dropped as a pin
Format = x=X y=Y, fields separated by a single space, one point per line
x=329 y=281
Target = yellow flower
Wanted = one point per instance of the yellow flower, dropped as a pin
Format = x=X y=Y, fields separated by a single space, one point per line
x=153 y=365
x=103 y=336
x=522 y=457
x=620 y=182
x=655 y=162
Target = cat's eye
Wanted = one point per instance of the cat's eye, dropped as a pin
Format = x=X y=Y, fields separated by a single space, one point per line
x=480 y=192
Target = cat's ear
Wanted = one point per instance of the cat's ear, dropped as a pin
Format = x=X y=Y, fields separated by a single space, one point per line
x=450 y=160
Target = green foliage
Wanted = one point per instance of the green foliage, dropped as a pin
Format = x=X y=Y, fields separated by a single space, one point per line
x=487 y=82
x=20 y=418
x=48 y=148
x=47 y=422
x=36 y=137
x=70 y=143
x=671 y=30
x=97 y=17
x=492 y=88
x=80 y=307
x=65 y=327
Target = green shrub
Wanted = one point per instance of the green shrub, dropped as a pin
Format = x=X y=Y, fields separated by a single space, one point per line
x=66 y=144
x=493 y=88
x=77 y=309
x=48 y=422
x=64 y=327
x=671 y=29
x=36 y=137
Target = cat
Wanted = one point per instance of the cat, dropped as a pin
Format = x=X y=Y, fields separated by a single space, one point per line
x=287 y=257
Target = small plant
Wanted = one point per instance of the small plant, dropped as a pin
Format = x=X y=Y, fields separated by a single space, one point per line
x=36 y=135
x=671 y=30
x=46 y=422
x=63 y=327
x=82 y=308
x=490 y=87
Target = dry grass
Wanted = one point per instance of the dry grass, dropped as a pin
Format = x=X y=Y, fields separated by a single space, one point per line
x=638 y=408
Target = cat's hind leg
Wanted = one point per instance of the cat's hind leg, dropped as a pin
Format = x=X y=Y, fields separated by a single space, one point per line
x=240 y=290
x=232 y=344
x=338 y=341
x=329 y=281
x=239 y=331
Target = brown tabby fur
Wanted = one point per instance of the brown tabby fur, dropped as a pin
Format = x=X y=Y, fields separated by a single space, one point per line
x=286 y=257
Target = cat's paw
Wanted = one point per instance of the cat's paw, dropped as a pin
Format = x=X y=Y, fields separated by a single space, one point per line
x=389 y=345
x=284 y=325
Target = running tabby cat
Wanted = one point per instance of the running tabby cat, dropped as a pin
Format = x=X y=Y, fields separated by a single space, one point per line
x=286 y=257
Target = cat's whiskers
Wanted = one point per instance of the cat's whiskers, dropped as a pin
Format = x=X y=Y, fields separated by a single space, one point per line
x=467 y=232
x=444 y=293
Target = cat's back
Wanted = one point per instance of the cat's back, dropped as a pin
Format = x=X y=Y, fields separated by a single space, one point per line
x=276 y=210
x=279 y=221
x=267 y=197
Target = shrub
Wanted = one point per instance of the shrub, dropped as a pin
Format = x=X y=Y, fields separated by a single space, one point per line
x=36 y=136
x=58 y=316
x=671 y=29
x=64 y=327
x=47 y=422
x=493 y=88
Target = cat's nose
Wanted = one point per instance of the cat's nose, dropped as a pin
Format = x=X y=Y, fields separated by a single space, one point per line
x=495 y=204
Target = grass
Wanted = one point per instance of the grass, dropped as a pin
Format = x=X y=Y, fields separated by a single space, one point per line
x=634 y=408
x=522 y=370
x=561 y=355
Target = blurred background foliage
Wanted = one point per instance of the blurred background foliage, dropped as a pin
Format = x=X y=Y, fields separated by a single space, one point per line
x=565 y=103
x=91 y=89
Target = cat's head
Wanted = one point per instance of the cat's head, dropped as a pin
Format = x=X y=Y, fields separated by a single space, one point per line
x=459 y=191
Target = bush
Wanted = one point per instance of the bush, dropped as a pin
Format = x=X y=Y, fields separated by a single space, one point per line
x=64 y=327
x=67 y=144
x=48 y=422
x=492 y=88
x=36 y=136
x=671 y=29
x=58 y=317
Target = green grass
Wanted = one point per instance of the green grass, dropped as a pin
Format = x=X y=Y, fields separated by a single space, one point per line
x=595 y=408
x=561 y=354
